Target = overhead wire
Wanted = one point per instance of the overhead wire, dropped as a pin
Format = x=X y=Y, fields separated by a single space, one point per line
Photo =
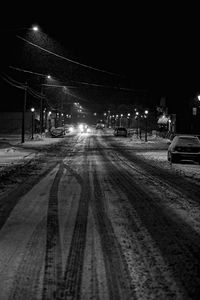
x=9 y=80
x=20 y=85
x=67 y=59
x=34 y=93
x=27 y=71
x=66 y=91
x=79 y=82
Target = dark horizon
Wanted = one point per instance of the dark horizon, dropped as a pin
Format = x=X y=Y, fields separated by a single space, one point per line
x=154 y=52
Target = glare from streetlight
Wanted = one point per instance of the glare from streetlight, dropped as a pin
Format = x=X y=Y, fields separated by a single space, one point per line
x=146 y=112
x=32 y=109
x=35 y=28
x=198 y=97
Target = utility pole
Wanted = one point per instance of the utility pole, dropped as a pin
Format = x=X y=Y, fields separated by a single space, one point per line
x=41 y=111
x=23 y=114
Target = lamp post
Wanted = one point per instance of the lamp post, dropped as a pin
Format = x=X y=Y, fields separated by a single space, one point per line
x=121 y=116
x=42 y=105
x=137 y=118
x=32 y=123
x=145 y=115
x=23 y=114
x=128 y=119
x=41 y=111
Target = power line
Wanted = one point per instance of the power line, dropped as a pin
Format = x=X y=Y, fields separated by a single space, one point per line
x=67 y=59
x=20 y=85
x=16 y=84
x=27 y=71
x=34 y=94
x=79 y=82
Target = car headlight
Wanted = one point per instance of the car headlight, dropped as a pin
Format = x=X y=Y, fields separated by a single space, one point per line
x=81 y=127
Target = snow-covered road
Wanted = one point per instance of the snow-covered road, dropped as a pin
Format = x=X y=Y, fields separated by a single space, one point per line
x=109 y=220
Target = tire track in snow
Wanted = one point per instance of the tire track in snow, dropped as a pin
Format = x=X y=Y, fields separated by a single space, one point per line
x=53 y=258
x=181 y=184
x=70 y=287
x=175 y=246
x=27 y=280
x=118 y=277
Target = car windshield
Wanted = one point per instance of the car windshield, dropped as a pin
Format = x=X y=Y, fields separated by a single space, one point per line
x=182 y=141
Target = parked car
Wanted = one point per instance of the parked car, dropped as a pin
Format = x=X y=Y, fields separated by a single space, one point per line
x=120 y=131
x=184 y=147
x=57 y=132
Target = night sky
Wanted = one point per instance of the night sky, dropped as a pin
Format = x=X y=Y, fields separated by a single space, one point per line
x=150 y=50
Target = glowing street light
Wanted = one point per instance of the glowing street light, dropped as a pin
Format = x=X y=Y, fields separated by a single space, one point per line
x=32 y=123
x=120 y=121
x=42 y=104
x=129 y=120
x=137 y=118
x=146 y=113
x=35 y=28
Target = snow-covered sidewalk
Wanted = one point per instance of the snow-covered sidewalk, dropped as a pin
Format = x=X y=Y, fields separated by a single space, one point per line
x=155 y=150
x=12 y=151
x=13 y=155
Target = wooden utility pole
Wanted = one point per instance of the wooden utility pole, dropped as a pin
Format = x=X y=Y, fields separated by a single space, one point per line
x=41 y=110
x=23 y=114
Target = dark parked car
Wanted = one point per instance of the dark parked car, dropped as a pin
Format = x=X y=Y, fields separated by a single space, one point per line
x=57 y=132
x=120 y=131
x=184 y=147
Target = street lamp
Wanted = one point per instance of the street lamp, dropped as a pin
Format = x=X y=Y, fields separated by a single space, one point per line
x=137 y=118
x=121 y=116
x=23 y=114
x=42 y=105
x=32 y=111
x=35 y=28
x=129 y=121
x=145 y=115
